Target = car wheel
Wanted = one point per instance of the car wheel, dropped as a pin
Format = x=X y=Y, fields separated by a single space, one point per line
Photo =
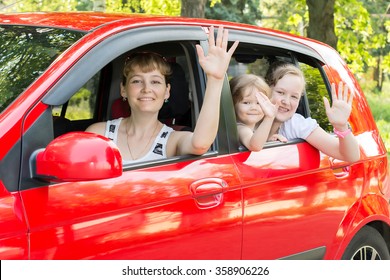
x=367 y=244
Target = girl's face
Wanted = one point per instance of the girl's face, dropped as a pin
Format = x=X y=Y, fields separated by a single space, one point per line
x=145 y=91
x=286 y=94
x=248 y=110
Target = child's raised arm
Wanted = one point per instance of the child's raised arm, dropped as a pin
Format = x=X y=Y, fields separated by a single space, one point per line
x=345 y=146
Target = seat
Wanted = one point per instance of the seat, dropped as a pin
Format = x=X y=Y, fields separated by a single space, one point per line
x=120 y=109
x=173 y=113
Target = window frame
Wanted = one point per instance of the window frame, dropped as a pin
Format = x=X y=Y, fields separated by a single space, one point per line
x=250 y=44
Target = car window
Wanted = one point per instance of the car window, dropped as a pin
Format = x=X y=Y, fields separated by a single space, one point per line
x=79 y=111
x=315 y=91
x=81 y=105
x=25 y=53
x=256 y=59
x=99 y=98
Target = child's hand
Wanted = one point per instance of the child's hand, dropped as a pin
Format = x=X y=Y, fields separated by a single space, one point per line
x=341 y=108
x=277 y=137
x=217 y=60
x=269 y=109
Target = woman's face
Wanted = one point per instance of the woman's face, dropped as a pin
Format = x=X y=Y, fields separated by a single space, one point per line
x=286 y=94
x=248 y=110
x=145 y=91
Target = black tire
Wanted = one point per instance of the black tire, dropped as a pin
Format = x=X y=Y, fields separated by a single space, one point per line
x=367 y=244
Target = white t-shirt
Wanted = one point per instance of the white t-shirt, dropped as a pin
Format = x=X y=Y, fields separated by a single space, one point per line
x=298 y=127
x=158 y=150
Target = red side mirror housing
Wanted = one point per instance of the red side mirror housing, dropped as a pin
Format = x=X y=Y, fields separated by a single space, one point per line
x=77 y=156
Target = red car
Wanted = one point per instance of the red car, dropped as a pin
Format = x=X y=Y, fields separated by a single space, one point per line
x=64 y=193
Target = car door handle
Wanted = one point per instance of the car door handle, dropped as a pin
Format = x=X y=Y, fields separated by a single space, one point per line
x=208 y=192
x=339 y=168
x=341 y=172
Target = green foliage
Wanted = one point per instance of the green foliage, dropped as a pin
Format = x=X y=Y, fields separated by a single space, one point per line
x=79 y=106
x=25 y=53
x=380 y=108
x=161 y=7
x=288 y=15
x=384 y=129
x=362 y=29
x=40 y=6
x=386 y=51
x=158 y=7
x=315 y=91
x=84 y=5
x=355 y=34
x=244 y=11
x=380 y=105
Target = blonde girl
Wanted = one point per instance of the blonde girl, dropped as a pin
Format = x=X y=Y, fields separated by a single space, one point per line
x=254 y=111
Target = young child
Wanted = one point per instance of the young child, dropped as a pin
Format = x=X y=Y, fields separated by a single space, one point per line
x=254 y=111
x=142 y=137
x=287 y=84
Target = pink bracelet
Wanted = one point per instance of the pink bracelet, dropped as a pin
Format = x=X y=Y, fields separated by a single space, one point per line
x=341 y=134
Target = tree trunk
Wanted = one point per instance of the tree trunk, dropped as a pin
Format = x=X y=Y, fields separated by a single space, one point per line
x=193 y=8
x=321 y=21
x=378 y=72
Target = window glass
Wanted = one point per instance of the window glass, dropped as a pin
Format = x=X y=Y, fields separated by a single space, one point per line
x=315 y=91
x=25 y=53
x=258 y=64
x=81 y=106
x=258 y=67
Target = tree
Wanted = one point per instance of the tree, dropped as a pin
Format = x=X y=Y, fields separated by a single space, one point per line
x=361 y=28
x=380 y=21
x=245 y=11
x=321 y=21
x=191 y=8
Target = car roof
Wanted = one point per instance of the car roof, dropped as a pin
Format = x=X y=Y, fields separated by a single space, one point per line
x=86 y=21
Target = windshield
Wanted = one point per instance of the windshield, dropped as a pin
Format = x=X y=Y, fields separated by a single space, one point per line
x=25 y=52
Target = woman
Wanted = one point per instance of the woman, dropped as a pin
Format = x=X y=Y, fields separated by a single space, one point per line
x=287 y=83
x=142 y=137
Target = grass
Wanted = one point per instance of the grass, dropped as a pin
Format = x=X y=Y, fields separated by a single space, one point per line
x=380 y=107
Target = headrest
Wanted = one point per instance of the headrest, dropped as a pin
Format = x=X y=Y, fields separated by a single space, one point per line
x=178 y=103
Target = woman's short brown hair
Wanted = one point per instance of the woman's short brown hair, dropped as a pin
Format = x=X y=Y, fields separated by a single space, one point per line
x=147 y=62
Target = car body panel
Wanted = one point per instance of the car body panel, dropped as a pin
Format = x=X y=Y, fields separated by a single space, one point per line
x=148 y=213
x=295 y=190
x=13 y=234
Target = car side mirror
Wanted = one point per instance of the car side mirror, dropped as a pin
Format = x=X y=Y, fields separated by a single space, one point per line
x=77 y=156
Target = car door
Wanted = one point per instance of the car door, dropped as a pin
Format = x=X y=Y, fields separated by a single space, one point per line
x=181 y=208
x=26 y=51
x=186 y=210
x=295 y=201
x=13 y=228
